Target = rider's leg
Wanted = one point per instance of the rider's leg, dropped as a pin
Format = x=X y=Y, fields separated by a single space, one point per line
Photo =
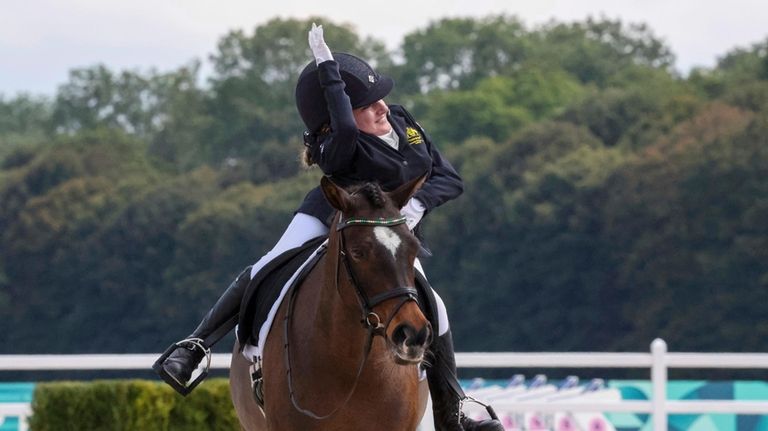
x=444 y=384
x=222 y=318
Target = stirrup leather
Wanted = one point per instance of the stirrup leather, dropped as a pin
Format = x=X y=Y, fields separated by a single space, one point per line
x=257 y=383
x=183 y=388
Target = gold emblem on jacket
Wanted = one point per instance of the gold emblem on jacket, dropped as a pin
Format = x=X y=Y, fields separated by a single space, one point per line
x=413 y=135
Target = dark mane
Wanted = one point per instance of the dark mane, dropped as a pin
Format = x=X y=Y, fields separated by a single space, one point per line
x=372 y=192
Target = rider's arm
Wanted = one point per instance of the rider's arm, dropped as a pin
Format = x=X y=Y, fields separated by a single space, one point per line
x=443 y=184
x=334 y=149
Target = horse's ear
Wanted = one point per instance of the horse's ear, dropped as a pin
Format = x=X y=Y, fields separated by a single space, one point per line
x=336 y=196
x=403 y=193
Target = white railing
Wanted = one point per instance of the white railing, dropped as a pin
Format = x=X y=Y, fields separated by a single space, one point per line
x=658 y=360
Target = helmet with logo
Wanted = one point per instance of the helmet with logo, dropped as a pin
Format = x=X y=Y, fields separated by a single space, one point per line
x=363 y=85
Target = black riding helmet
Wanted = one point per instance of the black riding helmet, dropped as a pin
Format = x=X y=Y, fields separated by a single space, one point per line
x=363 y=85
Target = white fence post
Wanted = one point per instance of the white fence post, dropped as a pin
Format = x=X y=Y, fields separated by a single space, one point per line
x=659 y=383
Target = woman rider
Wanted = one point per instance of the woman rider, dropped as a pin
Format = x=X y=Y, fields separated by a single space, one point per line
x=354 y=137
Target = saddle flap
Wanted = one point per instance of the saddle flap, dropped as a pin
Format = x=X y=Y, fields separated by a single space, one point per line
x=265 y=287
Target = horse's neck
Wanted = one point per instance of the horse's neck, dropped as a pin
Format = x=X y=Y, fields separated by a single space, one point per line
x=338 y=312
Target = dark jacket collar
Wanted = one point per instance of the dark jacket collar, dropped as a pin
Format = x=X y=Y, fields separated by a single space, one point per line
x=398 y=123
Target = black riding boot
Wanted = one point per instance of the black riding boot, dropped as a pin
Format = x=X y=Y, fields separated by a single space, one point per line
x=175 y=367
x=447 y=394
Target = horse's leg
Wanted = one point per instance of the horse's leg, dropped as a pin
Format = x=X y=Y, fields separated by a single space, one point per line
x=248 y=412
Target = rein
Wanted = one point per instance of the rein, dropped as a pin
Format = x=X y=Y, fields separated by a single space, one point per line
x=370 y=319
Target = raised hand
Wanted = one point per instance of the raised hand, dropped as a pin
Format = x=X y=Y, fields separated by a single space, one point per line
x=317 y=44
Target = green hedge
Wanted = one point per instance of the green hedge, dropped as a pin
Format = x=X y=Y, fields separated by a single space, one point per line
x=131 y=405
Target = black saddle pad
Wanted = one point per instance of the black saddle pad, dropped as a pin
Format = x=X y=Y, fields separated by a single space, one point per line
x=264 y=289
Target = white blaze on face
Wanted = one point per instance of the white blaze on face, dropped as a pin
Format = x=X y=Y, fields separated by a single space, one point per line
x=388 y=238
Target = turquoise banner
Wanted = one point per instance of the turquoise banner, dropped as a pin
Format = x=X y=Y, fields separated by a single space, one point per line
x=693 y=390
x=14 y=393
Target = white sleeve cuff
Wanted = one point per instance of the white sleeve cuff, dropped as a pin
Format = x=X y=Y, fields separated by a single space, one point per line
x=416 y=205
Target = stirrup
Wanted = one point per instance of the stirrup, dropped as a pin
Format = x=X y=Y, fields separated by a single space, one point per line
x=183 y=388
x=488 y=408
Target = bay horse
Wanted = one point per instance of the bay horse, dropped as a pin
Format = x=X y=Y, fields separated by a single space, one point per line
x=345 y=349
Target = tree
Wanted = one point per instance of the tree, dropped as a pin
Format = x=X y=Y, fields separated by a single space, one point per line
x=24 y=121
x=640 y=105
x=740 y=77
x=595 y=50
x=521 y=249
x=498 y=106
x=746 y=64
x=53 y=204
x=682 y=220
x=138 y=104
x=24 y=115
x=455 y=53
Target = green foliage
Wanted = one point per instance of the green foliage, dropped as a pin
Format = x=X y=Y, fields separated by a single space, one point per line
x=525 y=233
x=131 y=405
x=643 y=105
x=737 y=73
x=135 y=103
x=608 y=200
x=596 y=50
x=498 y=106
x=682 y=218
x=23 y=115
x=455 y=53
x=482 y=114
x=746 y=64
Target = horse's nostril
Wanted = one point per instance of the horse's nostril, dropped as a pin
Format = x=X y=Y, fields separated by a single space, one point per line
x=402 y=334
x=422 y=337
x=405 y=334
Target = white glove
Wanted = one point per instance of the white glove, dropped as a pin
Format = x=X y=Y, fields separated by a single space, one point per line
x=317 y=44
x=413 y=212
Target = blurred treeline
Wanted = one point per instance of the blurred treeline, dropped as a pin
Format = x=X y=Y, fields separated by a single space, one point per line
x=609 y=199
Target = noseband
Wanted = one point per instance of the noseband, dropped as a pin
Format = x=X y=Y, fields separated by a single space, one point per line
x=370 y=319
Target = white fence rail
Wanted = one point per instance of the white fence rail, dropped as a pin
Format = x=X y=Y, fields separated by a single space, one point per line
x=658 y=360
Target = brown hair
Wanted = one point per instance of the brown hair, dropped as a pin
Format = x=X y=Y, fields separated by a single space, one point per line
x=306 y=155
x=306 y=159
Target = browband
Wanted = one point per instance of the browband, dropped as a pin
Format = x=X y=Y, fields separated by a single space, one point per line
x=356 y=221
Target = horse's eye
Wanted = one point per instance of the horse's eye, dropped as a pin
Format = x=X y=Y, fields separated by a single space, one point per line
x=357 y=253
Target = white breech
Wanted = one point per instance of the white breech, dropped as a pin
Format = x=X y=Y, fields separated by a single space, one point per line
x=304 y=227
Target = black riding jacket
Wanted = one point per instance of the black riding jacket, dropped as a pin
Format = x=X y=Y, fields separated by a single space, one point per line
x=349 y=156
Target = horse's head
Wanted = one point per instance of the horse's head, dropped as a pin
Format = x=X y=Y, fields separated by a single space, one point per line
x=379 y=251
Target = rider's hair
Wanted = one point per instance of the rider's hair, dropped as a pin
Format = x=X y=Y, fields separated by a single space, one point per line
x=306 y=159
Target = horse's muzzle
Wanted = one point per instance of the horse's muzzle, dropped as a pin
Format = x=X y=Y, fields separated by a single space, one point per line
x=410 y=344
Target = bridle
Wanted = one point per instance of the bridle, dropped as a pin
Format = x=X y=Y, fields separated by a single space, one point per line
x=370 y=319
x=408 y=293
